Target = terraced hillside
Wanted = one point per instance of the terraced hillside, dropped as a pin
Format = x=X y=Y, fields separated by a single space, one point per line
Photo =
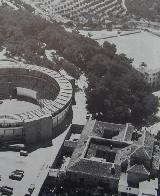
x=101 y=10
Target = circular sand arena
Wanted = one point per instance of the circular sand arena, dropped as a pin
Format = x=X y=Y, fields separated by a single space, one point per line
x=12 y=106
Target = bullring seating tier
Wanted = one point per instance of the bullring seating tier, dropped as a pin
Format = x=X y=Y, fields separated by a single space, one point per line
x=58 y=83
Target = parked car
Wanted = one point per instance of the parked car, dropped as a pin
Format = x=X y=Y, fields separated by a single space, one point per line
x=6 y=190
x=23 y=153
x=31 y=188
x=19 y=171
x=27 y=194
x=17 y=175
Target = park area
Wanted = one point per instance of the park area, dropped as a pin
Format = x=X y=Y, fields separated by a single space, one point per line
x=142 y=46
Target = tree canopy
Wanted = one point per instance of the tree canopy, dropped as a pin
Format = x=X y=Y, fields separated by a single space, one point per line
x=144 y=8
x=116 y=92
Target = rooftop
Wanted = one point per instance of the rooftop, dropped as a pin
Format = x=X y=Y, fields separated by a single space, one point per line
x=103 y=147
x=93 y=151
x=138 y=169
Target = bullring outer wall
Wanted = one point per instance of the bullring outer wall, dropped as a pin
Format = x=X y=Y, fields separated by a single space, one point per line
x=40 y=124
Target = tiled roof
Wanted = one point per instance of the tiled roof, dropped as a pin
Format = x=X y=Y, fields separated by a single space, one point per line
x=156 y=158
x=101 y=127
x=129 y=132
x=143 y=149
x=95 y=168
x=138 y=169
x=124 y=154
x=156 y=162
x=87 y=131
x=93 y=128
x=80 y=164
x=140 y=138
x=148 y=142
x=141 y=152
x=148 y=139
x=145 y=144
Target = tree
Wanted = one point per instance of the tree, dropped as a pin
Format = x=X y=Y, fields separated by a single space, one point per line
x=143 y=64
x=110 y=49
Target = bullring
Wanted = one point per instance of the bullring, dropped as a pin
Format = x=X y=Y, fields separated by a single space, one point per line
x=51 y=92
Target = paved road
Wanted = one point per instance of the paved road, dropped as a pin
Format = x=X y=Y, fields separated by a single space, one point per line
x=43 y=172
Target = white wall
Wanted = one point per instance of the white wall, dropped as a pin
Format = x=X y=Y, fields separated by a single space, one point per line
x=26 y=92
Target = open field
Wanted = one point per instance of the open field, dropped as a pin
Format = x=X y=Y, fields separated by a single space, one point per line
x=142 y=47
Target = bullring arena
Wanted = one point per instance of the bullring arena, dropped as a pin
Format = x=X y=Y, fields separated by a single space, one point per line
x=47 y=92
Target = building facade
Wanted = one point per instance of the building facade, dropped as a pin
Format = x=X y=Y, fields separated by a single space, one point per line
x=152 y=77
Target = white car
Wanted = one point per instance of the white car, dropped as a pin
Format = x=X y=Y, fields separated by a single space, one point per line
x=23 y=153
x=31 y=188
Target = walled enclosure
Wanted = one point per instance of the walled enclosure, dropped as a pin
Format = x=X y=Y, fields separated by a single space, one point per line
x=48 y=88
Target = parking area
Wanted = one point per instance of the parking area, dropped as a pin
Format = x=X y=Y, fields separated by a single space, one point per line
x=35 y=167
x=31 y=165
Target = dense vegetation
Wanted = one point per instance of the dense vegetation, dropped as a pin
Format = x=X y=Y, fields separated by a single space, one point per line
x=144 y=8
x=116 y=92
